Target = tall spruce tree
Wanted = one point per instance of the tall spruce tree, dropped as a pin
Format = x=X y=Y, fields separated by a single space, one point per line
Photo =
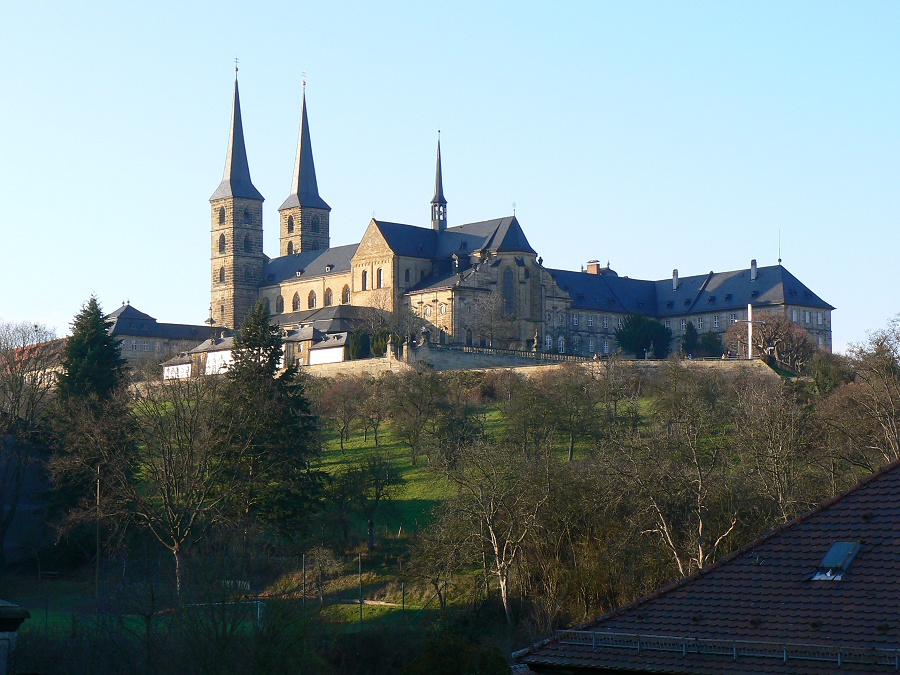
x=92 y=363
x=92 y=425
x=277 y=432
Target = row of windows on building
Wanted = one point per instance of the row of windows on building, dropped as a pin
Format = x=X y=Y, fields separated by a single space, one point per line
x=141 y=346
x=246 y=219
x=701 y=323
x=223 y=244
x=593 y=346
x=313 y=224
x=379 y=278
x=248 y=275
x=807 y=317
x=312 y=300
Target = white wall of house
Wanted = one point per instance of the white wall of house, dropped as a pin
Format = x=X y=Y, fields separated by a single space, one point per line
x=177 y=372
x=218 y=362
x=329 y=355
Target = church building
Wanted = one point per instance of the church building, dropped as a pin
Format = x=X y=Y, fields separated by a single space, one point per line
x=476 y=284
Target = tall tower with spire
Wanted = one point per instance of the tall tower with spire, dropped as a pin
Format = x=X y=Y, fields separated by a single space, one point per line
x=438 y=203
x=237 y=235
x=304 y=214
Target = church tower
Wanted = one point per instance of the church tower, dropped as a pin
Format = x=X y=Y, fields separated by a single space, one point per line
x=304 y=214
x=237 y=236
x=438 y=203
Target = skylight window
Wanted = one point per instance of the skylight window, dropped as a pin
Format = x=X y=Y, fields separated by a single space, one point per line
x=837 y=561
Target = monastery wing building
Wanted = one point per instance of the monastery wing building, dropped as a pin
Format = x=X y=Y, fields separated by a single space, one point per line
x=476 y=284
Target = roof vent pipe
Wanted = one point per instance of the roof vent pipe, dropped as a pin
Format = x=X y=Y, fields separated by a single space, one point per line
x=675 y=280
x=753 y=270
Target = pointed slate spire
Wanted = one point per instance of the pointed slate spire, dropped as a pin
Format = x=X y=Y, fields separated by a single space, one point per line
x=304 y=188
x=236 y=181
x=438 y=203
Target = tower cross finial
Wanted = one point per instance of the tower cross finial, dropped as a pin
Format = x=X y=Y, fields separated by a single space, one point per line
x=303 y=76
x=235 y=67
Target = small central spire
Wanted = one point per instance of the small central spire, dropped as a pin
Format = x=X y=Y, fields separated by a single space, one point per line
x=236 y=179
x=304 y=188
x=438 y=202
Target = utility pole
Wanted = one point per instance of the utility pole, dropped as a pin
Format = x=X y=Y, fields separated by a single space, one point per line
x=97 y=547
x=750 y=323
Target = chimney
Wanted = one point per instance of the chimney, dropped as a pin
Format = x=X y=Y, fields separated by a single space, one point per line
x=593 y=267
x=675 y=280
x=753 y=270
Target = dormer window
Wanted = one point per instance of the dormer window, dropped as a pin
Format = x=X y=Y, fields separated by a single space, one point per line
x=837 y=561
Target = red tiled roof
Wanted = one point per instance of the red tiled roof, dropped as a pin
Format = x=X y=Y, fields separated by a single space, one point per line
x=761 y=604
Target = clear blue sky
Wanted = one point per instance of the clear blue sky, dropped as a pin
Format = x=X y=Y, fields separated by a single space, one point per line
x=653 y=135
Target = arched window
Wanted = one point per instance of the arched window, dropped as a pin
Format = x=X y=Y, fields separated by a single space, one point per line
x=329 y=297
x=295 y=303
x=248 y=245
x=548 y=341
x=406 y=276
x=509 y=292
x=468 y=337
x=279 y=305
x=311 y=300
x=365 y=280
x=248 y=275
x=345 y=295
x=378 y=278
x=246 y=216
x=221 y=243
x=561 y=345
x=290 y=224
x=267 y=305
x=221 y=275
x=549 y=317
x=314 y=224
x=290 y=248
x=221 y=215
x=314 y=246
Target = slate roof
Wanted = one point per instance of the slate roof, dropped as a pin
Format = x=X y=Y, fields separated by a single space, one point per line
x=761 y=600
x=500 y=235
x=330 y=341
x=214 y=345
x=236 y=180
x=438 y=180
x=774 y=285
x=333 y=319
x=128 y=320
x=312 y=264
x=304 y=187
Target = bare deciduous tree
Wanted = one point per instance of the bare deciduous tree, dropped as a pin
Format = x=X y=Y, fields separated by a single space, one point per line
x=500 y=494
x=777 y=336
x=27 y=361
x=187 y=462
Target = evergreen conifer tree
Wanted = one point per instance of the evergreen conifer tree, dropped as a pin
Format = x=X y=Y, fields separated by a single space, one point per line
x=92 y=365
x=277 y=432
